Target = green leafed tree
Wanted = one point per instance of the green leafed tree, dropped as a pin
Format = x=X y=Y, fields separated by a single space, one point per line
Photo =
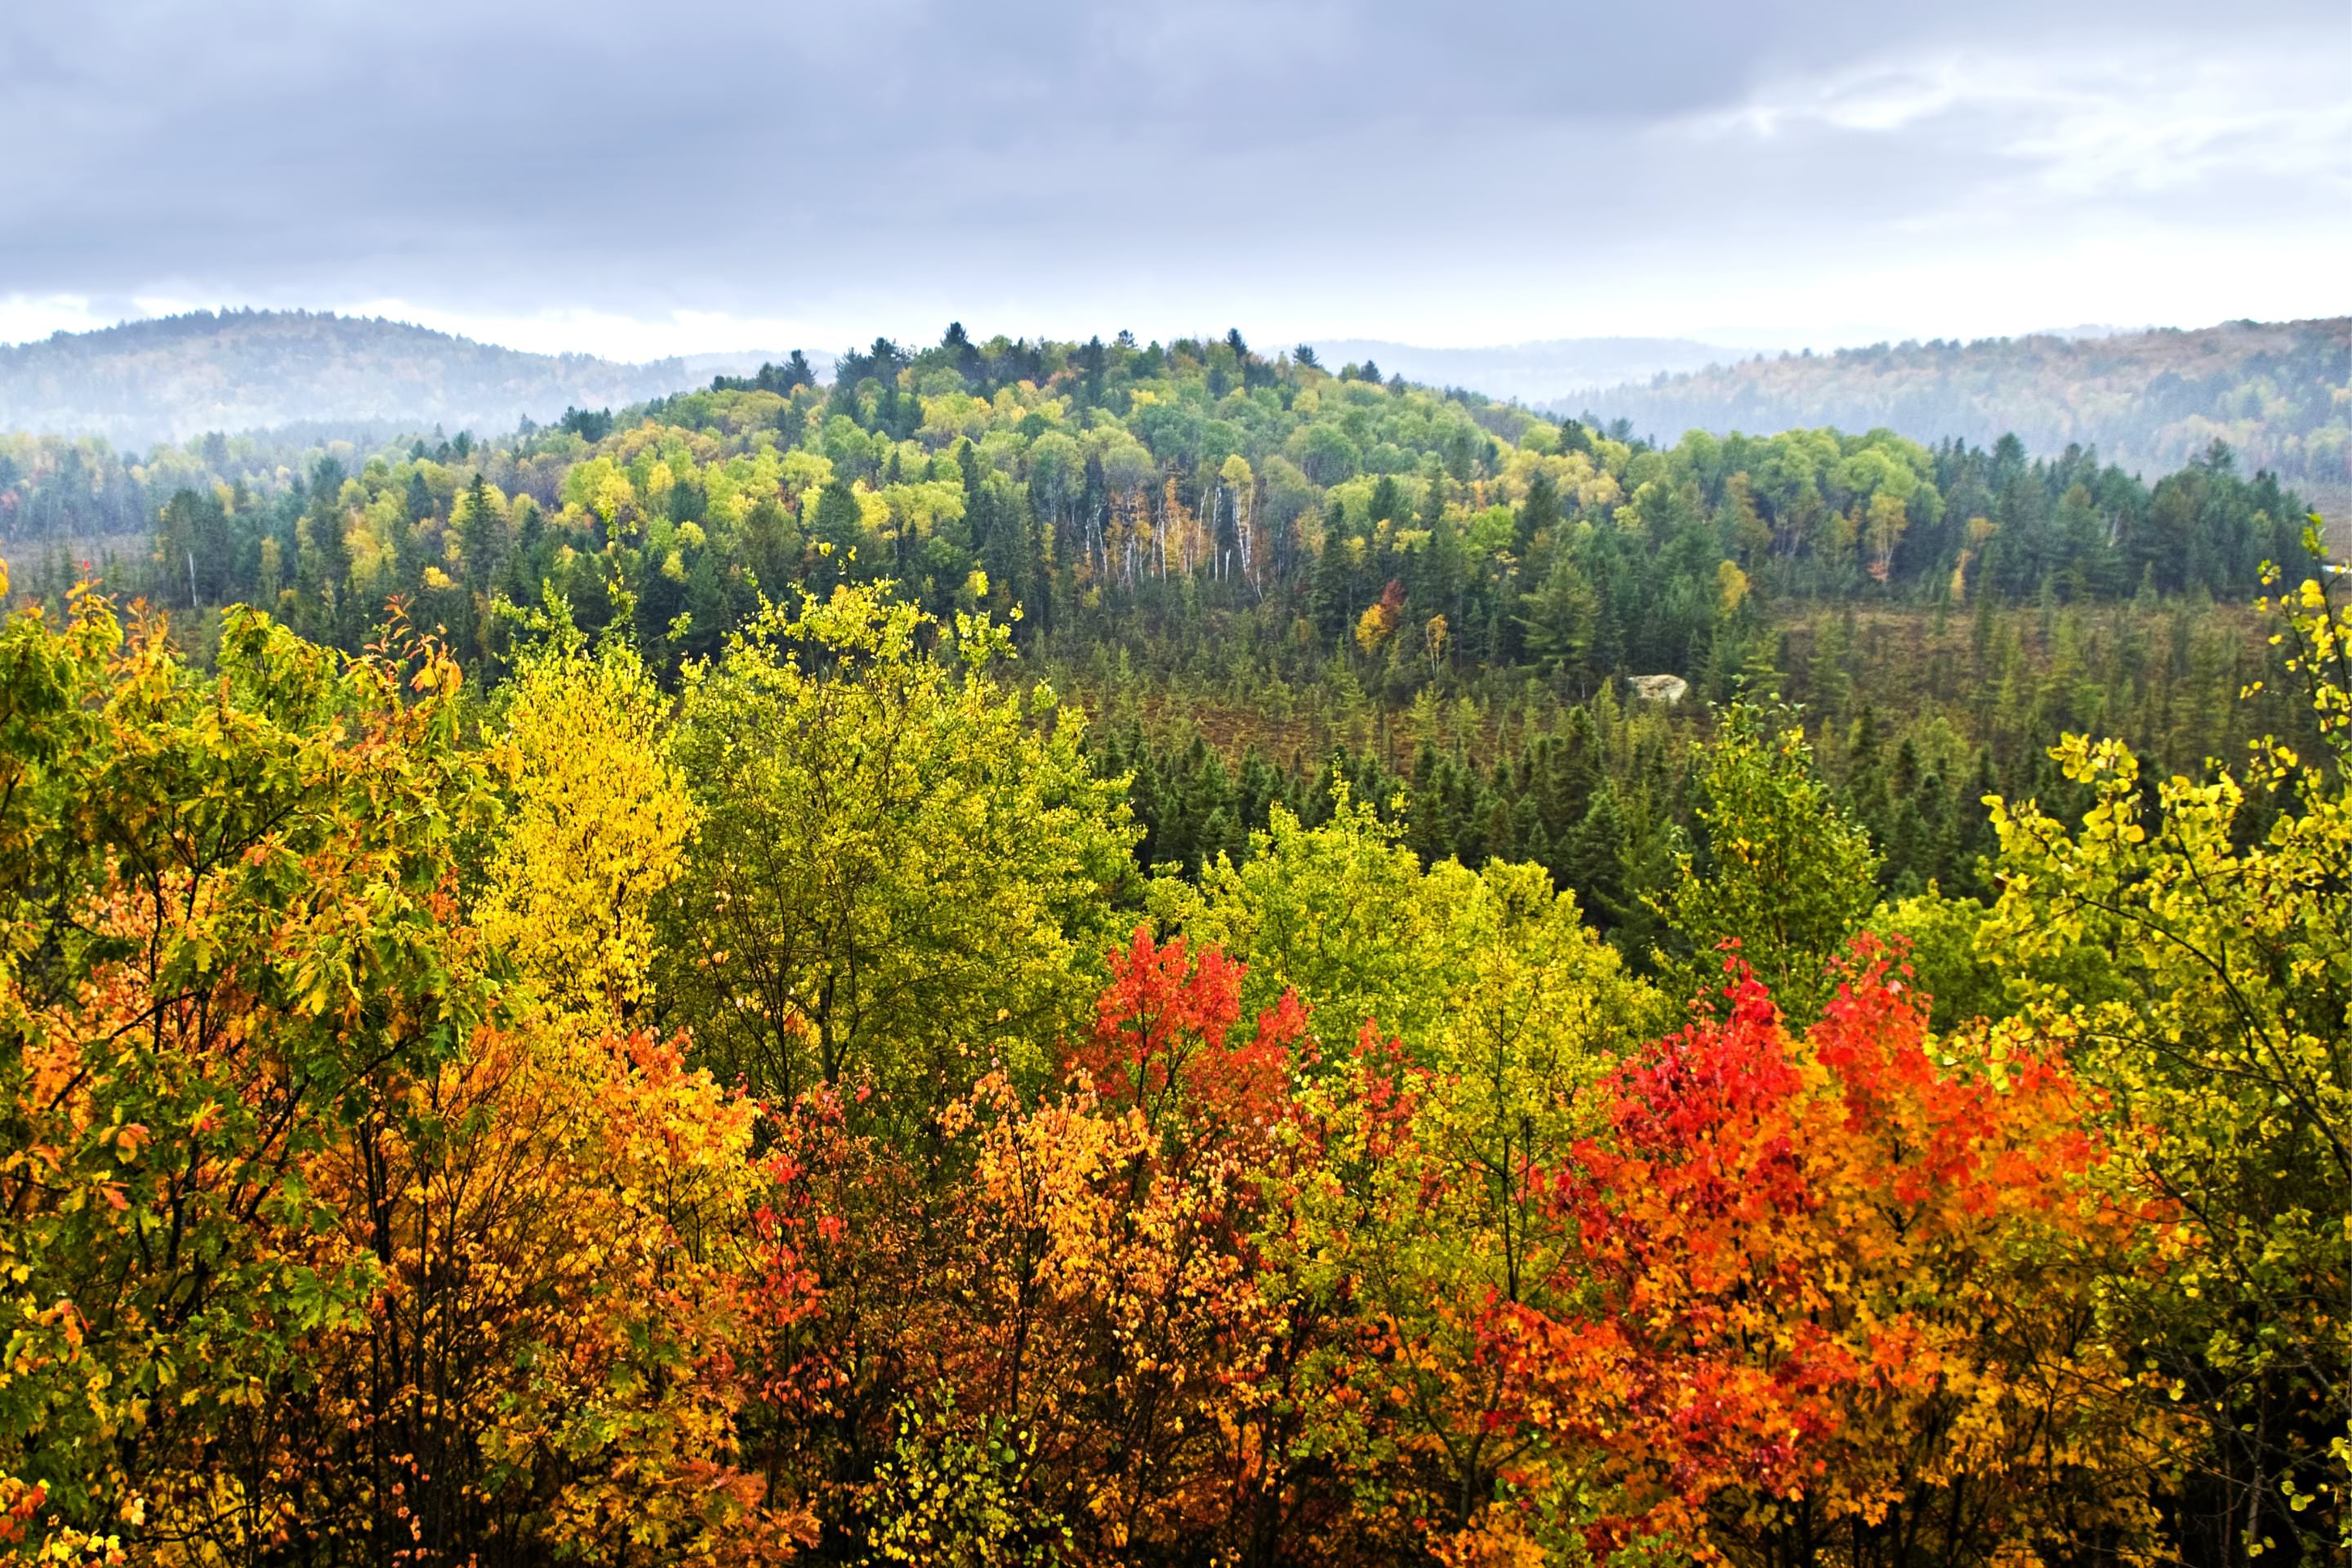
x=901 y=873
x=1782 y=869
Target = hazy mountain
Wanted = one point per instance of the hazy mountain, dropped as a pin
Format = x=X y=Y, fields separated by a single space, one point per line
x=1549 y=370
x=178 y=376
x=2279 y=393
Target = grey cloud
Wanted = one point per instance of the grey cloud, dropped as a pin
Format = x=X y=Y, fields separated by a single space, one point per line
x=734 y=156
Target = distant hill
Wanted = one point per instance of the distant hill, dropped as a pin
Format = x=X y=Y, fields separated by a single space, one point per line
x=179 y=376
x=1549 y=370
x=2279 y=393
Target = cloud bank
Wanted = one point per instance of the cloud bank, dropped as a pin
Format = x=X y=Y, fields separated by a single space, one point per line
x=703 y=176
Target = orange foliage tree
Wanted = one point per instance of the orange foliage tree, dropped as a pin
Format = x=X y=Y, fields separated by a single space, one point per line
x=1840 y=1299
x=1049 y=1341
x=323 y=1241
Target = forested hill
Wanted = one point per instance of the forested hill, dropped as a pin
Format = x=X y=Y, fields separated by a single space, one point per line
x=2279 y=393
x=178 y=376
x=1155 y=498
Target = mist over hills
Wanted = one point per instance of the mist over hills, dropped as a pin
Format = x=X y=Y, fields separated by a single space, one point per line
x=175 y=377
x=1546 y=372
x=2280 y=394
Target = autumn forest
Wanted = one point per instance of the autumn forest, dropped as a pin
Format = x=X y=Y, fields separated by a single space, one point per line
x=1026 y=951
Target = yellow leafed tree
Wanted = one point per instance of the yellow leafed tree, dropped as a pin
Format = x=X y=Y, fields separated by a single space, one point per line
x=601 y=820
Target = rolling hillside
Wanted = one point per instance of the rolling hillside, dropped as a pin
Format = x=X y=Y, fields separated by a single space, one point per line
x=2279 y=393
x=179 y=376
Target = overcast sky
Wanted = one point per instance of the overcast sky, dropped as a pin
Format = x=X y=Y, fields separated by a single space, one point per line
x=637 y=179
